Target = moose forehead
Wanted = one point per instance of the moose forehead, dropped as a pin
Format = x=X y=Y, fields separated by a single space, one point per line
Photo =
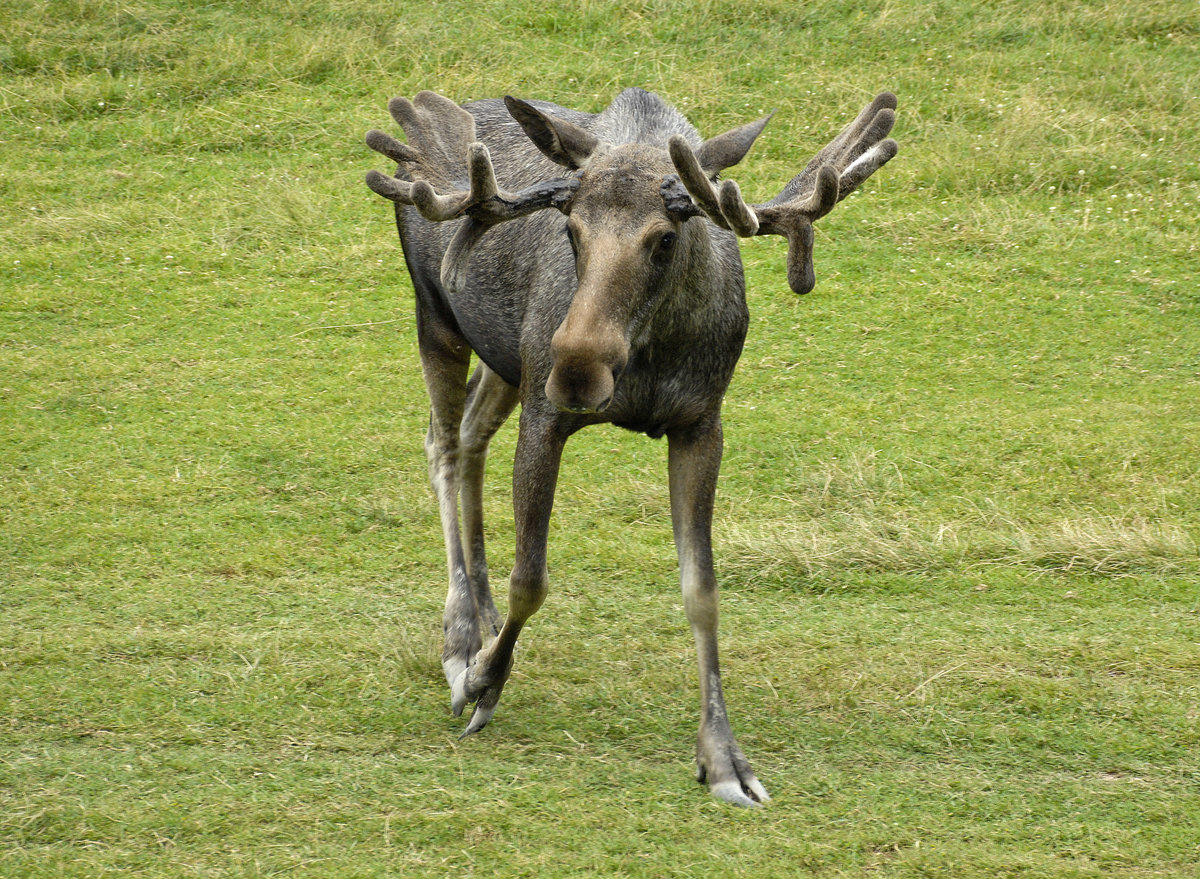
x=624 y=179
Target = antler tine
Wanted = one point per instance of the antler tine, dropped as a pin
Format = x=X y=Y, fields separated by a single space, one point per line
x=838 y=169
x=687 y=165
x=866 y=165
x=442 y=134
x=854 y=142
x=420 y=193
x=864 y=128
x=398 y=152
x=390 y=187
x=483 y=189
x=741 y=217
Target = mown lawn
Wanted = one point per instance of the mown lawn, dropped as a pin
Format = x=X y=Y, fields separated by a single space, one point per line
x=958 y=519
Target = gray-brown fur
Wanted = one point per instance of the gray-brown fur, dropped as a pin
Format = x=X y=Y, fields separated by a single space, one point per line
x=591 y=264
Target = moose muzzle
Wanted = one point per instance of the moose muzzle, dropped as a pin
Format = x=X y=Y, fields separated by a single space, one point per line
x=586 y=366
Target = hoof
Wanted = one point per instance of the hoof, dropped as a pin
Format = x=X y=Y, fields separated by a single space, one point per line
x=465 y=689
x=479 y=717
x=751 y=794
x=729 y=775
x=462 y=693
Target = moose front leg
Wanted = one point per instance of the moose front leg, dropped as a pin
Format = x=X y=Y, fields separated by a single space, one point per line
x=694 y=459
x=535 y=475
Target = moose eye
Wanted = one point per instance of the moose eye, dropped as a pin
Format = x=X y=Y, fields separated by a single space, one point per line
x=663 y=247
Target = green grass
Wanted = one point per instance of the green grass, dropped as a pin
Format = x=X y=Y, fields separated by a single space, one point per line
x=958 y=520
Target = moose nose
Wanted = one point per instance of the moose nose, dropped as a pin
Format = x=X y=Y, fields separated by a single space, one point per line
x=582 y=389
x=584 y=378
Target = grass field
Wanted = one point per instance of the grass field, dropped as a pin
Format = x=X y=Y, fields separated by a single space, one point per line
x=958 y=519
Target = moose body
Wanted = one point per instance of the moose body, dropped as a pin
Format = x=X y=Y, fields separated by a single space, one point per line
x=623 y=304
x=522 y=279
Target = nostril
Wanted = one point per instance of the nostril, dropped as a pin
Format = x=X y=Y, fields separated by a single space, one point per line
x=618 y=366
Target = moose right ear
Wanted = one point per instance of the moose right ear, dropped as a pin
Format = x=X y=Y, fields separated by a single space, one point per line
x=562 y=142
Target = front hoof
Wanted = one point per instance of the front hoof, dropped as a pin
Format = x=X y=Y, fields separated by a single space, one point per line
x=465 y=690
x=475 y=684
x=730 y=777
x=751 y=795
x=484 y=709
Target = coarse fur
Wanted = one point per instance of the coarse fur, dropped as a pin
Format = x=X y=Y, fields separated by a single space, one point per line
x=624 y=305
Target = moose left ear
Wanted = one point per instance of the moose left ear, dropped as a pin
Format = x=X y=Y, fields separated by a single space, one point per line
x=726 y=150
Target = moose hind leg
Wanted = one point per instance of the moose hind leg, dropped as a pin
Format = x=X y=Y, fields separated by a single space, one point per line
x=445 y=359
x=490 y=400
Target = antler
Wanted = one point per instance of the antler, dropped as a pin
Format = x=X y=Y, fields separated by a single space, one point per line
x=440 y=134
x=832 y=174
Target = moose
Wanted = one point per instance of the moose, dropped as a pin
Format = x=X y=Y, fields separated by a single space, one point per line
x=590 y=263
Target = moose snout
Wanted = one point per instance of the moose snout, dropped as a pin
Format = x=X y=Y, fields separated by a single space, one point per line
x=584 y=376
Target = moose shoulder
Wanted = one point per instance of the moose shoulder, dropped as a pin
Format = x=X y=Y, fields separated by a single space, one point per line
x=590 y=261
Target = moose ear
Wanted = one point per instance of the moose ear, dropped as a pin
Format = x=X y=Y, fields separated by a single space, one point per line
x=561 y=141
x=726 y=150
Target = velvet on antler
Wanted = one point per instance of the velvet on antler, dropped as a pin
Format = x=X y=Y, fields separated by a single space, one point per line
x=440 y=135
x=833 y=173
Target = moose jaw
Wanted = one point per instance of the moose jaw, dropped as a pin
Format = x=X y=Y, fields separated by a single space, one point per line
x=590 y=262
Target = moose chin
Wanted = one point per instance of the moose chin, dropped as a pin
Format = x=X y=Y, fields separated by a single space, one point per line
x=590 y=263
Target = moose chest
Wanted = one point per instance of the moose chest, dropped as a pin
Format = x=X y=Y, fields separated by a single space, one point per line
x=675 y=383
